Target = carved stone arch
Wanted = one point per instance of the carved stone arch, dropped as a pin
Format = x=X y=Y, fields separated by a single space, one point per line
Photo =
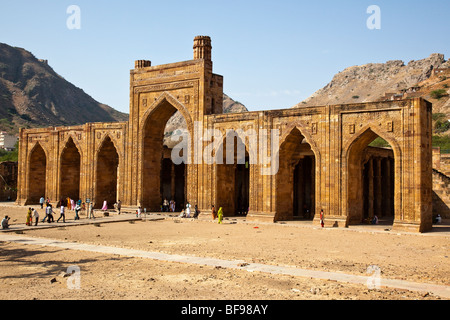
x=35 y=145
x=352 y=172
x=69 y=164
x=304 y=132
x=107 y=161
x=286 y=181
x=37 y=168
x=165 y=96
x=151 y=147
x=76 y=143
x=114 y=142
x=358 y=135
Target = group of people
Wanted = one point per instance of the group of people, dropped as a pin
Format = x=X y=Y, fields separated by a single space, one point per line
x=186 y=212
x=168 y=206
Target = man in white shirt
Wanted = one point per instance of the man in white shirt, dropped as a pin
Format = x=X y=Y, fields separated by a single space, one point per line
x=62 y=215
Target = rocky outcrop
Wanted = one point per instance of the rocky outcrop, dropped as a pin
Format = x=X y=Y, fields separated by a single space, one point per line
x=32 y=94
x=371 y=82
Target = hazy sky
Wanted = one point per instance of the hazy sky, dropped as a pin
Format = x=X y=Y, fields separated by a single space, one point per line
x=272 y=54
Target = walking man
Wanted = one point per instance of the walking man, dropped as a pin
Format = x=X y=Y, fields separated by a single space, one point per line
x=62 y=214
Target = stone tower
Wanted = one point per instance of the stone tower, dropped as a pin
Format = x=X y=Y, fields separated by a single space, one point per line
x=202 y=48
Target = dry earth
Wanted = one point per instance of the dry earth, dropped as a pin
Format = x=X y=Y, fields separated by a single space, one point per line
x=27 y=271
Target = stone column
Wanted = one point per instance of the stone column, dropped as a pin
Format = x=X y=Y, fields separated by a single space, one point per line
x=172 y=182
x=387 y=188
x=378 y=189
x=371 y=188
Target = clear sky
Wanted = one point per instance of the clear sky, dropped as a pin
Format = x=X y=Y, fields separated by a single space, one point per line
x=272 y=54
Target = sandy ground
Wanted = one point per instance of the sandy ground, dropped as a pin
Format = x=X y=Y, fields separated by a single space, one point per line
x=33 y=272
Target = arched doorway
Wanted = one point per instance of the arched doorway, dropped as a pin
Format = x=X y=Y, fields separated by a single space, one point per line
x=70 y=168
x=106 y=174
x=37 y=175
x=296 y=179
x=371 y=180
x=161 y=177
x=233 y=177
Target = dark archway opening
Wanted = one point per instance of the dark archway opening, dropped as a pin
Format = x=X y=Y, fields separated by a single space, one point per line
x=371 y=181
x=70 y=172
x=107 y=174
x=233 y=179
x=161 y=177
x=37 y=175
x=295 y=181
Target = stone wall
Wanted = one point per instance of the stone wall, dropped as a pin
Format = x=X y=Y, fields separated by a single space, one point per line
x=8 y=181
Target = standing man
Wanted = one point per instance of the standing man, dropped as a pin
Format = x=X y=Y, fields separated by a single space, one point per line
x=36 y=217
x=119 y=206
x=91 y=211
x=41 y=202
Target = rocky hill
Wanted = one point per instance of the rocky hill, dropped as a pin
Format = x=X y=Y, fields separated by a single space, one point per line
x=32 y=94
x=388 y=81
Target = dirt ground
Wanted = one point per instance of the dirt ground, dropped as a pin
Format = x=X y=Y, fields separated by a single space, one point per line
x=33 y=272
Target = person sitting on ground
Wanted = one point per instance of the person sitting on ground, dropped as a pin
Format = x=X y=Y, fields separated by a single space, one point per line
x=438 y=219
x=196 y=212
x=375 y=220
x=5 y=222
x=182 y=214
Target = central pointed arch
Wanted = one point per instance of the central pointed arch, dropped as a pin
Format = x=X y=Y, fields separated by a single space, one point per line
x=154 y=159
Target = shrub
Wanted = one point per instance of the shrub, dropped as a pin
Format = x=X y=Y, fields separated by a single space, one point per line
x=438 y=94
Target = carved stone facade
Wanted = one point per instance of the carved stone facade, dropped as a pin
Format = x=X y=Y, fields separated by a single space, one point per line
x=323 y=154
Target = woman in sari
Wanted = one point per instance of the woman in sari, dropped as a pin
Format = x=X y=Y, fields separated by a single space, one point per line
x=220 y=215
x=105 y=206
x=29 y=219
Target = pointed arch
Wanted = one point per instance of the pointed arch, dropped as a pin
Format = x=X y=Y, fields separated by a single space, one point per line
x=70 y=171
x=163 y=100
x=151 y=130
x=106 y=173
x=362 y=176
x=232 y=175
x=296 y=181
x=37 y=174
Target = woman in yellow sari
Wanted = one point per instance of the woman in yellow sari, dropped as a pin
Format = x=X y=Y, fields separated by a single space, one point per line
x=220 y=215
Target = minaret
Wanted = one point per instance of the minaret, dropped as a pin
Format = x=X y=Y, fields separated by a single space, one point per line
x=202 y=48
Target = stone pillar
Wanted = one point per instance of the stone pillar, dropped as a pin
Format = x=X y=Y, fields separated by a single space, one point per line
x=388 y=192
x=371 y=188
x=378 y=189
x=172 y=182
